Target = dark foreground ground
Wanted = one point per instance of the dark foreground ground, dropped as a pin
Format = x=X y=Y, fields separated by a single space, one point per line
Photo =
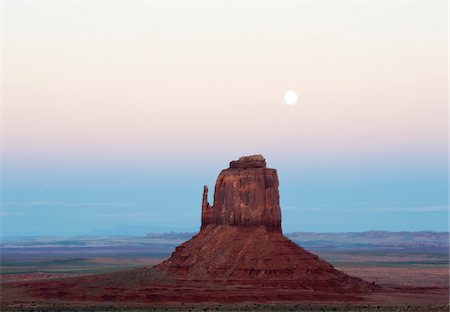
x=238 y=308
x=421 y=272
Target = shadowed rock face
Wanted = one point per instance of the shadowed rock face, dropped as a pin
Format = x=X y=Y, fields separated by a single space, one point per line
x=246 y=194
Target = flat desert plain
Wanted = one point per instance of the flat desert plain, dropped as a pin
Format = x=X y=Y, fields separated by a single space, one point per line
x=415 y=276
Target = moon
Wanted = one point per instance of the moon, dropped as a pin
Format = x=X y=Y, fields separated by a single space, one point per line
x=291 y=97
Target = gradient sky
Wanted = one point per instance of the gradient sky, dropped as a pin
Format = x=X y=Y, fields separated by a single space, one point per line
x=116 y=113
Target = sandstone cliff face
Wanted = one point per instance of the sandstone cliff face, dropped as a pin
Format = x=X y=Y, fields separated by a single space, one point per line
x=240 y=241
x=246 y=194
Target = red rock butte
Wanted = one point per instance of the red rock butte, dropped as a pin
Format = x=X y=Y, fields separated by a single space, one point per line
x=240 y=240
x=246 y=194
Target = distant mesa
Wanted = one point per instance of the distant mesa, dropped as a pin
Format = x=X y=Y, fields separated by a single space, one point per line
x=241 y=241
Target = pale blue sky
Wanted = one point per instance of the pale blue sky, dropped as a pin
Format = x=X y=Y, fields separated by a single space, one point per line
x=77 y=200
x=116 y=113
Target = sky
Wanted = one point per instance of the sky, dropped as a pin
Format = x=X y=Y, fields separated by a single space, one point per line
x=116 y=113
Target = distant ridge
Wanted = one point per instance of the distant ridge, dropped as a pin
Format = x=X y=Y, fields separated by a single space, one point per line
x=375 y=239
x=171 y=235
x=370 y=239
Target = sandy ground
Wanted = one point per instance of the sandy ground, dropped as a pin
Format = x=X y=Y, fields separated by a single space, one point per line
x=413 y=276
x=404 y=288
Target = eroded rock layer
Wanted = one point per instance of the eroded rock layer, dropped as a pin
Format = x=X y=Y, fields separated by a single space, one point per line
x=258 y=256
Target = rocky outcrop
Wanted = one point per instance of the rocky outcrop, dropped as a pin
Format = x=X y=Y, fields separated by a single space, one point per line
x=240 y=241
x=245 y=162
x=246 y=194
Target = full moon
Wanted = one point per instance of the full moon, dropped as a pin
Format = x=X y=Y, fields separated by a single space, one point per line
x=290 y=97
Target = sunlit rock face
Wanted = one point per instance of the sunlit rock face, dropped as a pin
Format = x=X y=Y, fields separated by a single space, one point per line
x=240 y=241
x=246 y=194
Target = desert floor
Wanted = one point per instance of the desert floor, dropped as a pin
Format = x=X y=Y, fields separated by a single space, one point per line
x=392 y=268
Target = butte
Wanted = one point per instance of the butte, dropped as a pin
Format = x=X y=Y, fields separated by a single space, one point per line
x=241 y=241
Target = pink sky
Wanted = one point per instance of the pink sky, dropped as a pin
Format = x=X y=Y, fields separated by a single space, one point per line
x=139 y=79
